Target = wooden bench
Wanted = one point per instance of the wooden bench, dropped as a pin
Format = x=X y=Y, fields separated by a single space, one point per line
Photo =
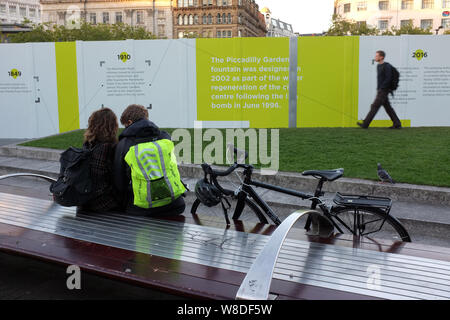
x=199 y=257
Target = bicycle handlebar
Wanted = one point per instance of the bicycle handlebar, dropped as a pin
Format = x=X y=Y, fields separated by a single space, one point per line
x=222 y=173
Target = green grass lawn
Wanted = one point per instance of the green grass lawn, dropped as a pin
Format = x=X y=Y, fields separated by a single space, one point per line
x=410 y=155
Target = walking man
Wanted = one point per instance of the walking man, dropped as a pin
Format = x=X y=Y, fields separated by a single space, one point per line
x=384 y=78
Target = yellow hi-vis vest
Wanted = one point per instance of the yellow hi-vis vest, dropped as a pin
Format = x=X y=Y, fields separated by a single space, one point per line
x=154 y=174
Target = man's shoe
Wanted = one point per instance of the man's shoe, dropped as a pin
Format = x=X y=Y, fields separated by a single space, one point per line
x=361 y=125
x=395 y=127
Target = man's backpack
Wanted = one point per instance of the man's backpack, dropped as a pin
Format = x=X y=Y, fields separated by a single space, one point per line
x=155 y=177
x=74 y=185
x=395 y=79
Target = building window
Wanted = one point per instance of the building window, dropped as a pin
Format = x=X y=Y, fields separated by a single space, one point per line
x=195 y=19
x=239 y=33
x=426 y=23
x=239 y=19
x=105 y=17
x=119 y=17
x=23 y=11
x=191 y=19
x=383 y=24
x=32 y=12
x=407 y=4
x=224 y=18
x=52 y=17
x=446 y=23
x=12 y=10
x=405 y=23
x=445 y=3
x=347 y=7
x=2 y=8
x=361 y=6
x=427 y=4
x=229 y=34
x=219 y=34
x=230 y=21
x=93 y=18
x=383 y=5
x=219 y=18
x=139 y=17
x=204 y=19
x=161 y=31
x=185 y=20
x=209 y=19
x=180 y=34
x=180 y=20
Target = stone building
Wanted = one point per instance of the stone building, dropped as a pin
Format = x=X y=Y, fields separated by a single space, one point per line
x=15 y=11
x=385 y=14
x=154 y=15
x=218 y=19
x=276 y=27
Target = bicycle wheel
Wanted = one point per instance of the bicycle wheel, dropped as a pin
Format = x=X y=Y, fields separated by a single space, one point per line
x=369 y=222
x=250 y=212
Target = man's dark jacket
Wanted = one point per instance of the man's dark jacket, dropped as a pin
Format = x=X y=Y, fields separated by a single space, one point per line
x=384 y=76
x=141 y=131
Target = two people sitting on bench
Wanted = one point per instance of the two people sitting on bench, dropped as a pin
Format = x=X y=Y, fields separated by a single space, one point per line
x=136 y=173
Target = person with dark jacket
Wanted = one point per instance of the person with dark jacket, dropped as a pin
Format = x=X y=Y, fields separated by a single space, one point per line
x=384 y=78
x=101 y=137
x=138 y=129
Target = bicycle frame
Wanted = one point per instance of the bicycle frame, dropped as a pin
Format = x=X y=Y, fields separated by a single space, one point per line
x=247 y=191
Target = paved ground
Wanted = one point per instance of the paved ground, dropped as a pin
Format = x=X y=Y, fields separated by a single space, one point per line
x=4 y=142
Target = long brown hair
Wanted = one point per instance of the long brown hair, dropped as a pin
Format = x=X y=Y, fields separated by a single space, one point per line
x=102 y=127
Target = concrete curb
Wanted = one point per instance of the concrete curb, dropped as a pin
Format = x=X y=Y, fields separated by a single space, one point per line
x=293 y=180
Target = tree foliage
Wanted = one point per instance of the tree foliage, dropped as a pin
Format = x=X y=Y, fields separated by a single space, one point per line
x=343 y=27
x=407 y=29
x=47 y=32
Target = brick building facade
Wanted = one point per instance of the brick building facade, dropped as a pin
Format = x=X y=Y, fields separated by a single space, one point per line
x=217 y=19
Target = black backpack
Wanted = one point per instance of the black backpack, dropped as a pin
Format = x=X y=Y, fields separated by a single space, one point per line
x=395 y=79
x=74 y=185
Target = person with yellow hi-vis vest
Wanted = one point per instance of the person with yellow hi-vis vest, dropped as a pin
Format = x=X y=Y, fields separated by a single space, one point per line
x=146 y=175
x=154 y=174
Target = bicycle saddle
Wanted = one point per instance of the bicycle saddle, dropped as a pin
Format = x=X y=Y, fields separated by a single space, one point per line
x=329 y=175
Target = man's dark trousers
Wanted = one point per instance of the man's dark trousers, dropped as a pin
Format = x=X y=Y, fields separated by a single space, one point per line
x=382 y=99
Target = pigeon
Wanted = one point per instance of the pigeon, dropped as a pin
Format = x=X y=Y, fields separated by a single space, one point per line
x=384 y=175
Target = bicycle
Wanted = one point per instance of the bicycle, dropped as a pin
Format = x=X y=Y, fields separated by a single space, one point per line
x=354 y=214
